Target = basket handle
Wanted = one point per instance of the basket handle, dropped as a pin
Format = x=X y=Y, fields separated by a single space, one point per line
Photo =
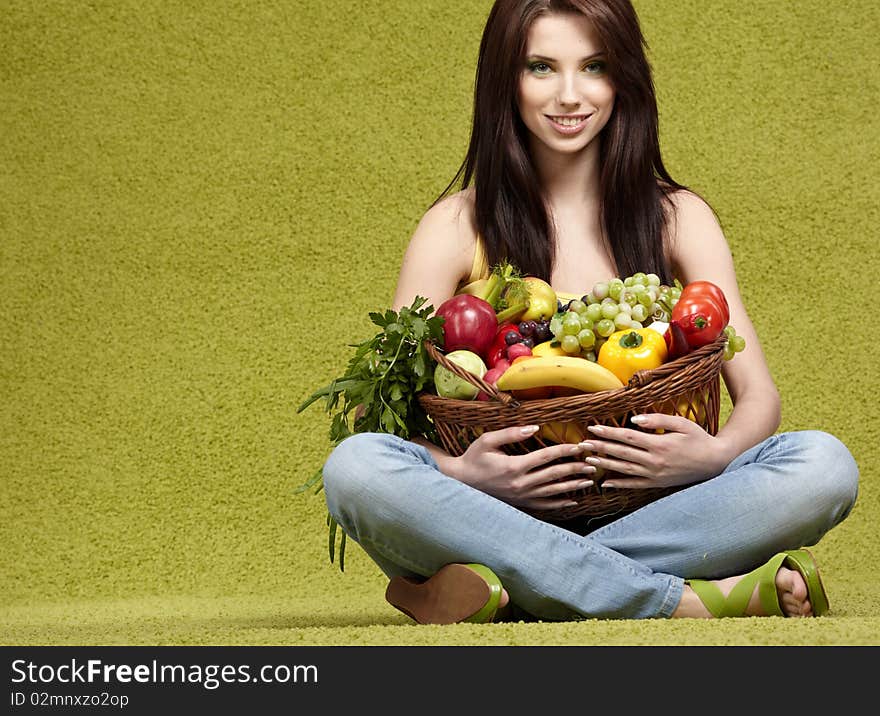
x=643 y=377
x=488 y=388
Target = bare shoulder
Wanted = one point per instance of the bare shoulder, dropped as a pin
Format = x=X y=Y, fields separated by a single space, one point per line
x=692 y=225
x=440 y=252
x=453 y=215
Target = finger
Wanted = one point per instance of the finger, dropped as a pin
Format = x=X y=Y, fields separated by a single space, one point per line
x=624 y=467
x=562 y=471
x=554 y=489
x=665 y=422
x=542 y=456
x=616 y=449
x=627 y=436
x=541 y=504
x=637 y=483
x=505 y=436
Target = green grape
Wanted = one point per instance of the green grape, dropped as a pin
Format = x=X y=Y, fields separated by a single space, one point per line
x=569 y=344
x=610 y=310
x=586 y=322
x=646 y=300
x=674 y=293
x=738 y=343
x=653 y=279
x=591 y=299
x=615 y=288
x=628 y=298
x=628 y=281
x=639 y=312
x=594 y=312
x=729 y=331
x=577 y=306
x=636 y=325
x=605 y=327
x=608 y=301
x=728 y=352
x=590 y=355
x=571 y=324
x=600 y=290
x=622 y=320
x=623 y=308
x=556 y=325
x=640 y=277
x=586 y=338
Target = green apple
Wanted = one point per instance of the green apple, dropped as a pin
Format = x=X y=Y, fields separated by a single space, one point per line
x=450 y=385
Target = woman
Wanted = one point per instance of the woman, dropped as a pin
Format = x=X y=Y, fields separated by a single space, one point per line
x=564 y=178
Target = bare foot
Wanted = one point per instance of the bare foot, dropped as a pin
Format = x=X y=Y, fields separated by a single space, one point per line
x=790 y=589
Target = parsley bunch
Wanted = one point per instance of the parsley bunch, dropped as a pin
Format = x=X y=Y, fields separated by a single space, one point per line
x=380 y=387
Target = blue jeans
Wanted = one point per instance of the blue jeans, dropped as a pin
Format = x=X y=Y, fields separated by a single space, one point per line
x=411 y=519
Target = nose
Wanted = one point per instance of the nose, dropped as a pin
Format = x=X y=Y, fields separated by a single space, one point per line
x=568 y=93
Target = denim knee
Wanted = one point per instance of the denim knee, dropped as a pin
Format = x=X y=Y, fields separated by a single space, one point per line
x=834 y=471
x=349 y=467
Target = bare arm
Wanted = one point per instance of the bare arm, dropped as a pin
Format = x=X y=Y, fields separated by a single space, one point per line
x=700 y=251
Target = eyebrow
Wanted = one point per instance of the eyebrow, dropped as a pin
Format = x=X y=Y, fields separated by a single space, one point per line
x=551 y=59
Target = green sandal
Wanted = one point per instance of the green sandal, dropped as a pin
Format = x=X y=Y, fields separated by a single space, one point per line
x=456 y=593
x=736 y=603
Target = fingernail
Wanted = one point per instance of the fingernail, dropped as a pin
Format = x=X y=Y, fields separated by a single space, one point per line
x=598 y=429
x=571 y=504
x=529 y=429
x=587 y=446
x=585 y=484
x=592 y=461
x=638 y=419
x=588 y=469
x=609 y=484
x=575 y=449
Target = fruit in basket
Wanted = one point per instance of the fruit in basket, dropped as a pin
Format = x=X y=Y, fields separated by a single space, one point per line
x=562 y=431
x=491 y=377
x=702 y=313
x=449 y=385
x=563 y=371
x=627 y=352
x=506 y=334
x=548 y=348
x=542 y=300
x=468 y=324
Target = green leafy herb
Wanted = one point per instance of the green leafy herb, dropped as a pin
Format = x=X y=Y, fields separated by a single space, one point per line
x=379 y=390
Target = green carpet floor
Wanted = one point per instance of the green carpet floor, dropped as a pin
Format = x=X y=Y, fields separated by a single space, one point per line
x=199 y=204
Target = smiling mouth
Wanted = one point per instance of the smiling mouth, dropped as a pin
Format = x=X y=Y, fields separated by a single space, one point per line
x=569 y=121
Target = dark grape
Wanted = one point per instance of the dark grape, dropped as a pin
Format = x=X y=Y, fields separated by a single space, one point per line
x=530 y=342
x=526 y=328
x=512 y=337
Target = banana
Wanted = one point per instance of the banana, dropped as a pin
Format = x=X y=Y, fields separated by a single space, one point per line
x=559 y=431
x=564 y=371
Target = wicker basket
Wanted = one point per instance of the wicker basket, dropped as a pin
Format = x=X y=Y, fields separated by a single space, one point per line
x=688 y=386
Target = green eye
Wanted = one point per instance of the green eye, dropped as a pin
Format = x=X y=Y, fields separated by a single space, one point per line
x=595 y=68
x=539 y=68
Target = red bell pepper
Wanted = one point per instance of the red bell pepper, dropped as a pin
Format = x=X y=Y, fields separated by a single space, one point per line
x=702 y=313
x=498 y=349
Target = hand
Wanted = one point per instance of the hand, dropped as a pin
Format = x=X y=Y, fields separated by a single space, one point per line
x=682 y=454
x=523 y=480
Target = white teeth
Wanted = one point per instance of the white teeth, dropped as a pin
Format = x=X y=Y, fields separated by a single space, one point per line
x=568 y=121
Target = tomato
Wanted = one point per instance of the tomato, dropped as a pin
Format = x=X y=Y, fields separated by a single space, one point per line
x=469 y=323
x=702 y=313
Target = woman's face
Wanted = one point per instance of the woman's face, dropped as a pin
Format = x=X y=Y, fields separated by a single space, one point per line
x=565 y=96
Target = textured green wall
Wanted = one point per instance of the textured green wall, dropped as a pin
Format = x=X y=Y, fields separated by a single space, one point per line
x=200 y=202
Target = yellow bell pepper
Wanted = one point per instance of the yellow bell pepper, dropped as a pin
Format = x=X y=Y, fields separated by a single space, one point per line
x=631 y=350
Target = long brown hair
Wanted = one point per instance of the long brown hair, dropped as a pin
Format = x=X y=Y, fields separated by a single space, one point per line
x=510 y=210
